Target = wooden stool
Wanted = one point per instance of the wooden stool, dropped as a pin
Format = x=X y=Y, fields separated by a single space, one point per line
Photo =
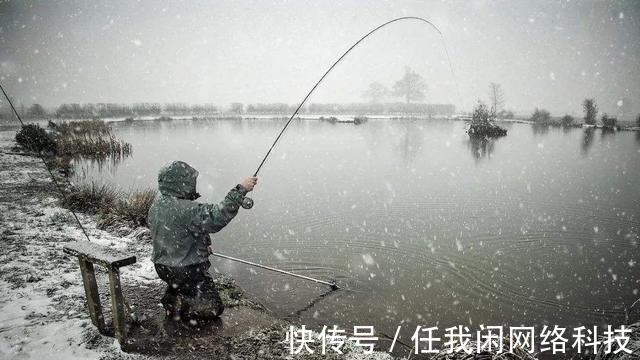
x=89 y=253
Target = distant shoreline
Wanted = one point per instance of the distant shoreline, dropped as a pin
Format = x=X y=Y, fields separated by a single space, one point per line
x=342 y=118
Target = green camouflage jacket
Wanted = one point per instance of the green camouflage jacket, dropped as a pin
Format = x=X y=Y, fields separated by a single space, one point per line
x=179 y=226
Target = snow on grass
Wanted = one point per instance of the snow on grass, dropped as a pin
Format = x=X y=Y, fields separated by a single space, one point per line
x=42 y=306
x=43 y=311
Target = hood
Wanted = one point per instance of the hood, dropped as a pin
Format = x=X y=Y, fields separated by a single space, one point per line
x=178 y=179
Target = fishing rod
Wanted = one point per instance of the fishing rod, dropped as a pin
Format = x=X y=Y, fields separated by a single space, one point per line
x=247 y=202
x=41 y=156
x=332 y=284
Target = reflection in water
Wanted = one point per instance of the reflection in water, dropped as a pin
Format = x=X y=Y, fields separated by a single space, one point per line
x=411 y=141
x=587 y=139
x=481 y=147
x=540 y=129
x=606 y=131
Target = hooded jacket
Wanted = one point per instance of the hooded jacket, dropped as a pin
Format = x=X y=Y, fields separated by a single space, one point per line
x=179 y=226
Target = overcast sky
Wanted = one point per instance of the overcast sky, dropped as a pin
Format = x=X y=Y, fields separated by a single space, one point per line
x=548 y=54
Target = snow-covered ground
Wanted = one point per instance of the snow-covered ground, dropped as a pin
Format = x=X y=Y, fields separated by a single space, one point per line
x=42 y=306
x=43 y=311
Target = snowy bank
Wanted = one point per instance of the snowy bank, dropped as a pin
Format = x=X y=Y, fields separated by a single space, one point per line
x=43 y=310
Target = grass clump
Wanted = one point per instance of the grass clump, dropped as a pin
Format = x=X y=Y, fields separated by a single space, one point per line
x=92 y=146
x=32 y=137
x=91 y=198
x=135 y=207
x=81 y=127
x=112 y=205
x=90 y=138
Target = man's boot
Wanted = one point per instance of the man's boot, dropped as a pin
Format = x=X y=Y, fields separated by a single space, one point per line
x=173 y=305
x=205 y=305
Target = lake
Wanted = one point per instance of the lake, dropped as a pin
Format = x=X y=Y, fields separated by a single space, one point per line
x=422 y=225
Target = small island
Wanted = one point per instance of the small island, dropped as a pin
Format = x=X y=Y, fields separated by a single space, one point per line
x=482 y=123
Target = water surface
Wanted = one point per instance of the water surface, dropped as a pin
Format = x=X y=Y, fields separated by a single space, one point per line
x=427 y=227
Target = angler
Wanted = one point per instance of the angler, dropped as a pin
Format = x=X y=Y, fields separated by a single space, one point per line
x=180 y=226
x=180 y=229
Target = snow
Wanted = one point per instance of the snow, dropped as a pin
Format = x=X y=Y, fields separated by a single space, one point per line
x=42 y=305
x=27 y=335
x=368 y=259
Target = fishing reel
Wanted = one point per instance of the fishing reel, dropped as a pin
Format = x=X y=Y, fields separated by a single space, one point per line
x=247 y=202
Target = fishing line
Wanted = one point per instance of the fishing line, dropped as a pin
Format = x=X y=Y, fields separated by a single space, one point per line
x=41 y=156
x=340 y=59
x=247 y=202
x=296 y=314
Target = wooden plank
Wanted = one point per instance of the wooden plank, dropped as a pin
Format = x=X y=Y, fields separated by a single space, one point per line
x=99 y=254
x=91 y=292
x=117 y=307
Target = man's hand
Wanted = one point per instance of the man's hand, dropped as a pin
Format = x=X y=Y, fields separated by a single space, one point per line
x=249 y=182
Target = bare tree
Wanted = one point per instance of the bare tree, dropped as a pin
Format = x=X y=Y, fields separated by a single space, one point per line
x=376 y=92
x=496 y=98
x=411 y=87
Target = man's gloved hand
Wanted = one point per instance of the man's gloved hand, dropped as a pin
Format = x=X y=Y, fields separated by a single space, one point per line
x=249 y=182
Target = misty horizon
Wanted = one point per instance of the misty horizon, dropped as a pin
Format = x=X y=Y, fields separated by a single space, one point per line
x=545 y=55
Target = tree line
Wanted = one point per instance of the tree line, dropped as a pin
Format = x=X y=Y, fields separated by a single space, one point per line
x=590 y=110
x=411 y=88
x=107 y=110
x=540 y=116
x=95 y=111
x=344 y=108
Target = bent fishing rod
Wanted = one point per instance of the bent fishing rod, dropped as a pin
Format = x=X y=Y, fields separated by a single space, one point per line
x=247 y=202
